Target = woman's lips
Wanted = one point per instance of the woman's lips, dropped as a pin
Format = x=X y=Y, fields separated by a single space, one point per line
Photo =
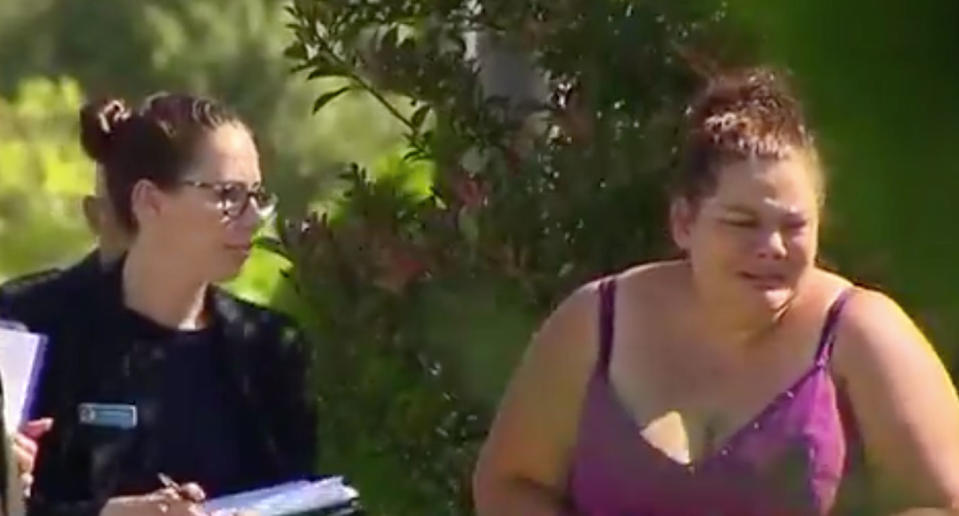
x=764 y=280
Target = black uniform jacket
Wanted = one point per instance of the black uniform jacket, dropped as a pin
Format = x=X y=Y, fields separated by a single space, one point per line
x=89 y=358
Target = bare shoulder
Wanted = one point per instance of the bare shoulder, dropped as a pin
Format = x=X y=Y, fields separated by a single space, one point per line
x=875 y=331
x=904 y=402
x=652 y=274
x=655 y=282
x=569 y=333
x=536 y=425
x=867 y=311
x=572 y=330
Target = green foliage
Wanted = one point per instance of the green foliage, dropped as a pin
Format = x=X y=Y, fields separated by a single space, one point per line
x=231 y=49
x=422 y=300
x=43 y=175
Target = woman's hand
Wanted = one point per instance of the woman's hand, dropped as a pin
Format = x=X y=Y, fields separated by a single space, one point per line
x=24 y=443
x=164 y=502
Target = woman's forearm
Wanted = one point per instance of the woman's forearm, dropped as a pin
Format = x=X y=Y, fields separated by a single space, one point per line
x=518 y=498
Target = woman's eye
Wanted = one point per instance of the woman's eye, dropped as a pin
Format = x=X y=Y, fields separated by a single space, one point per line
x=232 y=194
x=740 y=223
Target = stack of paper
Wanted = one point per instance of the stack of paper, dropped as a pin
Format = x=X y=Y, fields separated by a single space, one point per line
x=328 y=496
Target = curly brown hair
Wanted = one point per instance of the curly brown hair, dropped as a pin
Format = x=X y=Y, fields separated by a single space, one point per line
x=740 y=115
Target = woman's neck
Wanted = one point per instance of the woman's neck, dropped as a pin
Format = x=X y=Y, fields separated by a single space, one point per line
x=735 y=327
x=158 y=289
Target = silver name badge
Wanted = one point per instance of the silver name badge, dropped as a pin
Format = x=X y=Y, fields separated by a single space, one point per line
x=111 y=415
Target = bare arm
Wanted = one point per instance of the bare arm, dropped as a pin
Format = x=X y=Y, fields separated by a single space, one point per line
x=523 y=465
x=905 y=405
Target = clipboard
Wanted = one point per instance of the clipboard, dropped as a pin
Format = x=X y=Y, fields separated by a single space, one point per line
x=329 y=496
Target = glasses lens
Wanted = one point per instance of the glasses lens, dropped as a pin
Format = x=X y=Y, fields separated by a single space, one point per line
x=265 y=202
x=233 y=198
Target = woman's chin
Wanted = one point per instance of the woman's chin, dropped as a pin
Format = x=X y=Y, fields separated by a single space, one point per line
x=773 y=299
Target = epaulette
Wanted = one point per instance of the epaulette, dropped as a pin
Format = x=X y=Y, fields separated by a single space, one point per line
x=29 y=281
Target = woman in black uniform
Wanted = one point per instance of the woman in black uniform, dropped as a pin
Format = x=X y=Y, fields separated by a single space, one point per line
x=151 y=369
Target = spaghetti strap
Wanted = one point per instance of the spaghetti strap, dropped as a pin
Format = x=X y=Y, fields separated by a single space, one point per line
x=607 y=316
x=828 y=337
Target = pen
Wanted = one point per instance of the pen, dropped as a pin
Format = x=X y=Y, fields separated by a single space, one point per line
x=181 y=491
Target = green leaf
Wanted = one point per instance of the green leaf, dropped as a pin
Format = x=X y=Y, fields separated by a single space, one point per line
x=389 y=40
x=413 y=154
x=324 y=69
x=296 y=51
x=419 y=117
x=327 y=97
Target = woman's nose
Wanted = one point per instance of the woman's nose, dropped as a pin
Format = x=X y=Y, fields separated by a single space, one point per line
x=771 y=244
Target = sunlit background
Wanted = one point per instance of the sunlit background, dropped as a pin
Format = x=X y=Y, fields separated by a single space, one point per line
x=879 y=82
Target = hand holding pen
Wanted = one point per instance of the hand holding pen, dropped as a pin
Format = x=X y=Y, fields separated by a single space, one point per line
x=193 y=493
x=172 y=499
x=189 y=492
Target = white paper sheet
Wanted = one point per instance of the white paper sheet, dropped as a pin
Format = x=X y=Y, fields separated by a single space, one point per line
x=21 y=360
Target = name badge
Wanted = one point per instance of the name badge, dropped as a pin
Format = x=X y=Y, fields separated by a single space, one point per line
x=110 y=415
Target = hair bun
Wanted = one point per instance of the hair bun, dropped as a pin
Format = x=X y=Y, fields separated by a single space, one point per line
x=99 y=123
x=749 y=112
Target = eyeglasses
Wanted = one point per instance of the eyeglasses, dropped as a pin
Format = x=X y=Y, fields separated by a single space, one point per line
x=234 y=197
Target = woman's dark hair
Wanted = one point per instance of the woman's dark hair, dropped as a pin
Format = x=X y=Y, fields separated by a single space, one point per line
x=740 y=115
x=155 y=141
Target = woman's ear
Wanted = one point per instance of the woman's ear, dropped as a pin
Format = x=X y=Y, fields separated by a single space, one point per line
x=682 y=215
x=146 y=201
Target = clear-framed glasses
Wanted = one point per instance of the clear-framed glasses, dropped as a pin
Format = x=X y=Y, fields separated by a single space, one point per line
x=234 y=197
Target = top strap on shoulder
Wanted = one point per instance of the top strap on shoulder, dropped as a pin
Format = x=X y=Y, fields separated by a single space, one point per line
x=827 y=338
x=607 y=316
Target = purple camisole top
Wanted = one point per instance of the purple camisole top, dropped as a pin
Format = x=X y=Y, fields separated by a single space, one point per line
x=789 y=459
